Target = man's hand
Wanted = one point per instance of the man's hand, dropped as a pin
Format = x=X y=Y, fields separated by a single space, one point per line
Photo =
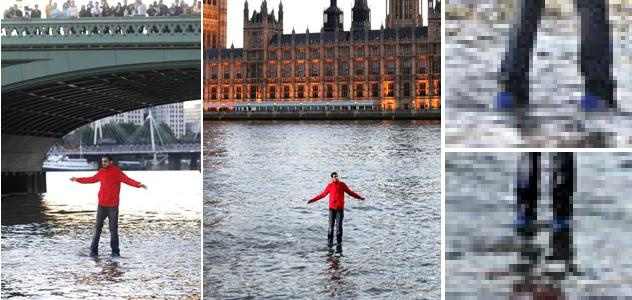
x=363 y=199
x=142 y=186
x=311 y=201
x=73 y=179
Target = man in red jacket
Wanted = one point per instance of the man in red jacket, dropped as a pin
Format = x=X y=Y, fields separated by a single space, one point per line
x=336 y=190
x=110 y=177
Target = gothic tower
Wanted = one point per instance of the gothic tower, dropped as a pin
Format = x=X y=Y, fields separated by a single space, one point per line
x=361 y=19
x=403 y=13
x=261 y=26
x=215 y=24
x=332 y=17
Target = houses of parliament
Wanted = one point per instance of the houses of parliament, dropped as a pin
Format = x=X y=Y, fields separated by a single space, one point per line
x=395 y=67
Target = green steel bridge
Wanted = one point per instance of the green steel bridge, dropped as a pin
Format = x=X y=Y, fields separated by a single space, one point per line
x=58 y=75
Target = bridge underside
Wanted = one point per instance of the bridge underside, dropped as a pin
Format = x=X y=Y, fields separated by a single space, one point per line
x=34 y=117
x=56 y=108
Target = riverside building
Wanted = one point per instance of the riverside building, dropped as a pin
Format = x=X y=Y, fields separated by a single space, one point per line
x=395 y=67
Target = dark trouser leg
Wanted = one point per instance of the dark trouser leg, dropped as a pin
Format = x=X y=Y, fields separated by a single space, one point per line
x=339 y=217
x=516 y=63
x=330 y=232
x=527 y=191
x=113 y=224
x=596 y=49
x=101 y=215
x=562 y=190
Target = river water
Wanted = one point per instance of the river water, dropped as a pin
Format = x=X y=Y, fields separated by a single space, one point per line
x=480 y=203
x=46 y=240
x=262 y=240
x=476 y=43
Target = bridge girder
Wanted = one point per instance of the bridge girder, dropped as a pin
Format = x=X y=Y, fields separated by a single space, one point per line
x=58 y=75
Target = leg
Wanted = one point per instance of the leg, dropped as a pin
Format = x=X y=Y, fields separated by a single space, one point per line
x=596 y=52
x=515 y=66
x=527 y=191
x=562 y=190
x=101 y=215
x=113 y=224
x=330 y=232
x=339 y=217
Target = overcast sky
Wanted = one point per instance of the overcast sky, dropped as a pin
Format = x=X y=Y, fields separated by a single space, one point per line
x=300 y=14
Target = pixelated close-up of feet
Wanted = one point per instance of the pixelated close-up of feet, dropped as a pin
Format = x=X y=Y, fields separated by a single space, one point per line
x=538 y=225
x=535 y=73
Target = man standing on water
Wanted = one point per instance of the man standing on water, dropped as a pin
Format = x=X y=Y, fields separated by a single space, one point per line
x=110 y=177
x=336 y=190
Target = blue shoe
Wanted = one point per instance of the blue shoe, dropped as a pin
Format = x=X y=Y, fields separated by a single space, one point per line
x=93 y=254
x=592 y=103
x=505 y=101
x=114 y=254
x=559 y=225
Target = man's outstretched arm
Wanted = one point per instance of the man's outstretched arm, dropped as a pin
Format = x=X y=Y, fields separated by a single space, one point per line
x=352 y=193
x=320 y=196
x=91 y=179
x=131 y=182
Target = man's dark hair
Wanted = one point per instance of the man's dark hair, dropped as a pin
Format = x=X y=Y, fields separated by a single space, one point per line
x=332 y=174
x=109 y=157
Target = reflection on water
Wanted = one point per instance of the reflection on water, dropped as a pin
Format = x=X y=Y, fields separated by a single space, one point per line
x=481 y=247
x=262 y=240
x=46 y=240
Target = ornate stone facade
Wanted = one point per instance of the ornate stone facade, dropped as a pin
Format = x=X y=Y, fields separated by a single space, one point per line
x=397 y=67
x=214 y=24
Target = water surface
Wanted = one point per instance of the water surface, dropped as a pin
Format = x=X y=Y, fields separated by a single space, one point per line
x=262 y=240
x=46 y=240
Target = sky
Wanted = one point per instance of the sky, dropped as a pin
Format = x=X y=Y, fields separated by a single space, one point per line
x=301 y=14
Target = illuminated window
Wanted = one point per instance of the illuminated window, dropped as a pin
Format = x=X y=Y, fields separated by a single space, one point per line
x=390 y=90
x=422 y=89
x=314 y=91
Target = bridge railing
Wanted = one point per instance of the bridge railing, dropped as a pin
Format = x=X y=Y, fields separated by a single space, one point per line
x=101 y=31
x=133 y=148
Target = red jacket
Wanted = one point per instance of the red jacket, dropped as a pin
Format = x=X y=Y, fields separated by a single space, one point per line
x=336 y=193
x=110 y=179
